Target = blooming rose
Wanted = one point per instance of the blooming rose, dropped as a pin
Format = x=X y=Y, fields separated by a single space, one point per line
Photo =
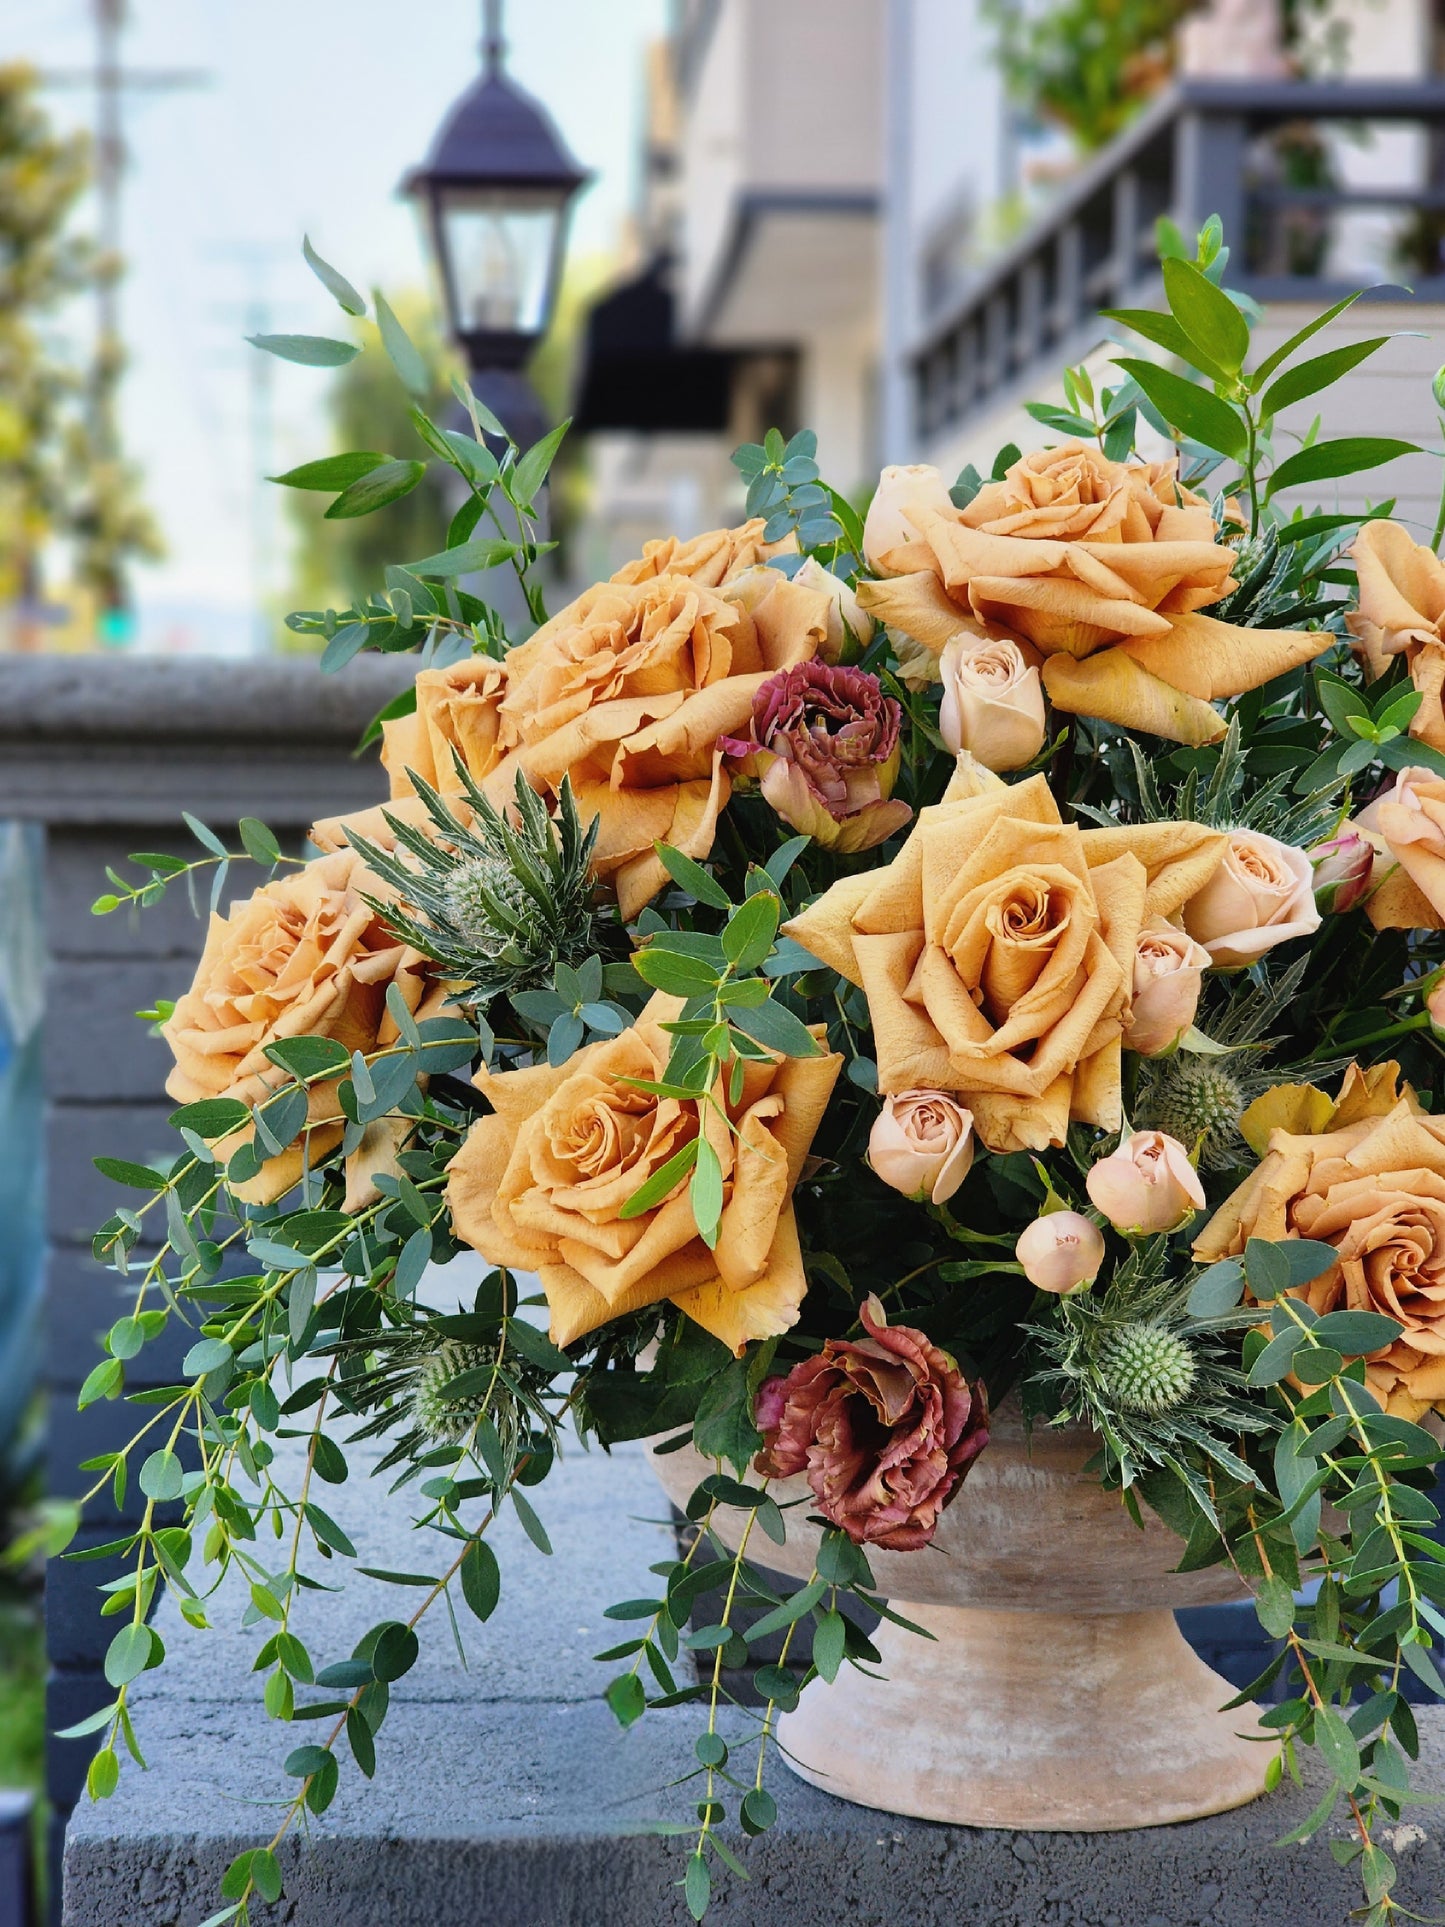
x=1169 y=969
x=458 y=713
x=1370 y=1180
x=903 y=492
x=1061 y=1251
x=541 y=1184
x=922 y=1144
x=885 y=1428
x=712 y=559
x=1402 y=613
x=1148 y=1184
x=823 y=740
x=1406 y=829
x=303 y=957
x=993 y=704
x=1261 y=894
x=1342 y=867
x=628 y=691
x=1104 y=567
x=997 y=953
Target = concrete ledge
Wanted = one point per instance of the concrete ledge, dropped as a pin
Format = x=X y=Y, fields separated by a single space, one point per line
x=506 y=1795
x=138 y=739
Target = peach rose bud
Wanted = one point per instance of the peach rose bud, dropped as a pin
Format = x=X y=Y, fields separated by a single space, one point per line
x=1342 y=871
x=850 y=627
x=922 y=1145
x=1147 y=1185
x=993 y=701
x=1169 y=969
x=889 y=524
x=1061 y=1252
x=1435 y=1005
x=1263 y=893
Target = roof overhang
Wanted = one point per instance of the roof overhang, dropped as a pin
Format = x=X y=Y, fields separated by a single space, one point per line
x=793 y=262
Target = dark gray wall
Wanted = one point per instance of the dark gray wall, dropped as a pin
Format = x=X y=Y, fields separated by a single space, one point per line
x=105 y=754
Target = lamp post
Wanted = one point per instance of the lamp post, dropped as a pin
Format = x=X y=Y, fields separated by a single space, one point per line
x=495 y=194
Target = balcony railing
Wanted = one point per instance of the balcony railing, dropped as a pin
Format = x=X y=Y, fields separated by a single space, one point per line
x=1323 y=187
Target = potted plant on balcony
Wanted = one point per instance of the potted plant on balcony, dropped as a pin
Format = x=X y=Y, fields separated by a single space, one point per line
x=943 y=1004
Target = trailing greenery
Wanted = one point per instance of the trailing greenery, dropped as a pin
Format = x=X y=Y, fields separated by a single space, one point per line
x=1219 y=1399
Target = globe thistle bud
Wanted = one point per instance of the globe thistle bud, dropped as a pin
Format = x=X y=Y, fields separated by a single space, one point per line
x=1198 y=1101
x=1145 y=1368
x=465 y=895
x=442 y=1418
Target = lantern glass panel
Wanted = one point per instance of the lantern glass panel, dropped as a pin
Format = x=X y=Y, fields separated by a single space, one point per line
x=499 y=246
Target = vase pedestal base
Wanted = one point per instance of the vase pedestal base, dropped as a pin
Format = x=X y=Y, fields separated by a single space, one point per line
x=1056 y=1722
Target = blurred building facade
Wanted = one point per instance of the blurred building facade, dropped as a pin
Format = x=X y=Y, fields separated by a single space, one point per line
x=846 y=223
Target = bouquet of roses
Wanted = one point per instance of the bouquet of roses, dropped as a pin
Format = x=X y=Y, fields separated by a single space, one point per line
x=862 y=968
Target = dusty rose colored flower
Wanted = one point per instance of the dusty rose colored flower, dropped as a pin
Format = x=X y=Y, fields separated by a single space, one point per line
x=1061 y=1251
x=1261 y=894
x=1148 y=1184
x=1342 y=871
x=1169 y=969
x=922 y=1144
x=885 y=1428
x=993 y=701
x=824 y=744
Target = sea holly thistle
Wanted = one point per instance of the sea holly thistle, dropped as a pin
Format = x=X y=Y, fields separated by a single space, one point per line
x=1152 y=1377
x=498 y=904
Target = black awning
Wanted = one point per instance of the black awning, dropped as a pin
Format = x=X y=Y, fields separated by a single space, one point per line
x=635 y=375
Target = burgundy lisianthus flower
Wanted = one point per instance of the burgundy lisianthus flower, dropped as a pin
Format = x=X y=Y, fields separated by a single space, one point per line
x=823 y=742
x=885 y=1429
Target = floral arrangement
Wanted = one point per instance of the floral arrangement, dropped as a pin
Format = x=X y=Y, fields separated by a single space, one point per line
x=863 y=967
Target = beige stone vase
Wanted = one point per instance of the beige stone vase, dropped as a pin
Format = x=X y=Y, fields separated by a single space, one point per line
x=1057 y=1693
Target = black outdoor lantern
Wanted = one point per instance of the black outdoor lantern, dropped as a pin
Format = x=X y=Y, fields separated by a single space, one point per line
x=495 y=194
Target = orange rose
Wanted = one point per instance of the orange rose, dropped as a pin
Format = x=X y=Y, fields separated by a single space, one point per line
x=628 y=691
x=1402 y=613
x=1103 y=566
x=304 y=957
x=541 y=1185
x=712 y=559
x=1406 y=828
x=997 y=953
x=1371 y=1182
x=458 y=713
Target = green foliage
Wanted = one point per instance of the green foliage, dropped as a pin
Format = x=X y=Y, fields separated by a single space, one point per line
x=63 y=474
x=1090 y=66
x=785 y=489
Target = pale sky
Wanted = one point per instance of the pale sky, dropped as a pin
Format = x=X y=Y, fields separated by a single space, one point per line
x=314 y=110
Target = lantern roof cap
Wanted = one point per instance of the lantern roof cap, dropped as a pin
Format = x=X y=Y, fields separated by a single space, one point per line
x=497 y=135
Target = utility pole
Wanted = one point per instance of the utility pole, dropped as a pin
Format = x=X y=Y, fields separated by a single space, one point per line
x=112 y=82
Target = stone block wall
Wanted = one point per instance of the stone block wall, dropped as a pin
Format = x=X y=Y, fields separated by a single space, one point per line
x=105 y=754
